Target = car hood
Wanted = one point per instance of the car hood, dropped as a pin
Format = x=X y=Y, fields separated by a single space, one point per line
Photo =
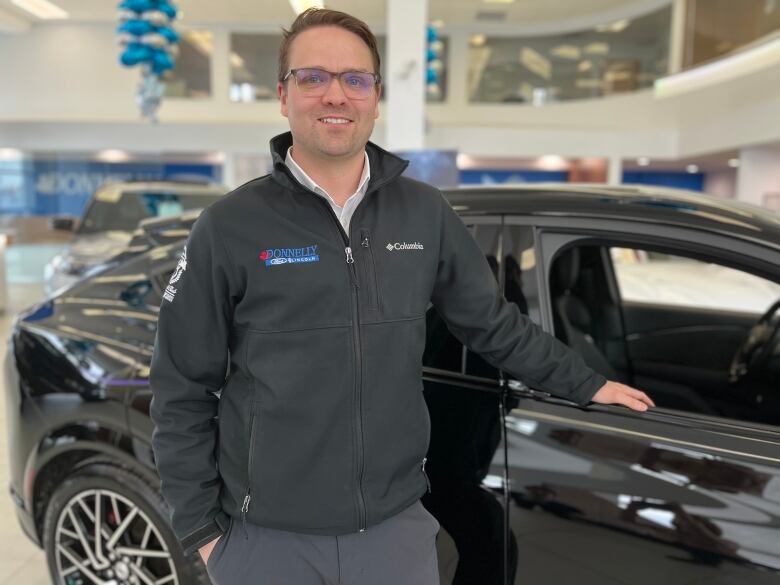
x=93 y=248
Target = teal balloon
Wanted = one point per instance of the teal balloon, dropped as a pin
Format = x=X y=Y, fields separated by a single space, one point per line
x=169 y=33
x=431 y=76
x=137 y=5
x=161 y=61
x=167 y=8
x=134 y=54
x=136 y=27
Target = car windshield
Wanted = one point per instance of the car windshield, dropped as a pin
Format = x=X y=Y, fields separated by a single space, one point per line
x=124 y=209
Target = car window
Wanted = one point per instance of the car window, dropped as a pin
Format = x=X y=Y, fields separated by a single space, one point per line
x=520 y=278
x=645 y=276
x=122 y=212
x=442 y=350
x=672 y=325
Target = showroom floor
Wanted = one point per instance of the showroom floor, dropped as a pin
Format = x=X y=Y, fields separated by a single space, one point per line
x=21 y=562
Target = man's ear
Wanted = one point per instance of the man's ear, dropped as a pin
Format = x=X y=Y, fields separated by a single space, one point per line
x=282 y=94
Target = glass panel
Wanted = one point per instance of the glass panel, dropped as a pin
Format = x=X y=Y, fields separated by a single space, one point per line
x=191 y=77
x=254 y=66
x=716 y=27
x=663 y=279
x=619 y=57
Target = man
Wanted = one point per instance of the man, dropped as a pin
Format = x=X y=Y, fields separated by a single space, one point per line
x=303 y=300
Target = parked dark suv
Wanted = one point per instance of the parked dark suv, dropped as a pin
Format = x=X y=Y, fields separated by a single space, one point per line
x=674 y=293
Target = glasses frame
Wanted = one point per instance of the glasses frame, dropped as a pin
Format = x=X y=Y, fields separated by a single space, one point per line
x=333 y=74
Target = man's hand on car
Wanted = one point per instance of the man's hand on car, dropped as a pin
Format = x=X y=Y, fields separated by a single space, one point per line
x=617 y=393
x=205 y=550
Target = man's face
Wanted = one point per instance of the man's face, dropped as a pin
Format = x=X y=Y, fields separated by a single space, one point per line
x=333 y=49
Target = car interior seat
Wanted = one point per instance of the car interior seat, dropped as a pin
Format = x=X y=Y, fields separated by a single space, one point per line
x=571 y=316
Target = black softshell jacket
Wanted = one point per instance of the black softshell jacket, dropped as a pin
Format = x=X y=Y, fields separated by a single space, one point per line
x=315 y=339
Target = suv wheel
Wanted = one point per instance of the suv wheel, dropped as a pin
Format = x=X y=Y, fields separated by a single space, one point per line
x=105 y=524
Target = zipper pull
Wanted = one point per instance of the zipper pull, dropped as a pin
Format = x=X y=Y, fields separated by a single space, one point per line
x=244 y=510
x=351 y=264
x=350 y=259
x=427 y=481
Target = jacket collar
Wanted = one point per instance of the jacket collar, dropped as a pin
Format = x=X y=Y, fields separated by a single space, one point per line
x=384 y=165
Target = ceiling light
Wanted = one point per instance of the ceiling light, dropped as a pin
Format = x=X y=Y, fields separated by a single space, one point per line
x=477 y=40
x=692 y=169
x=299 y=6
x=41 y=8
x=584 y=66
x=112 y=155
x=236 y=60
x=535 y=62
x=616 y=27
x=10 y=154
x=552 y=162
x=733 y=163
x=643 y=161
x=566 y=52
x=597 y=48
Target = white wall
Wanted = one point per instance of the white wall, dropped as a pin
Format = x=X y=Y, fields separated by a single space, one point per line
x=63 y=88
x=759 y=174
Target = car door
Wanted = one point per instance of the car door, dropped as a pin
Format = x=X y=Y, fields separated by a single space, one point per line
x=602 y=494
x=465 y=462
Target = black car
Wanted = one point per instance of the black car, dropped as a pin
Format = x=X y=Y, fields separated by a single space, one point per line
x=673 y=293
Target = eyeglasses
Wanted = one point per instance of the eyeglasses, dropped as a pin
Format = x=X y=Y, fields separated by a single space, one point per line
x=357 y=85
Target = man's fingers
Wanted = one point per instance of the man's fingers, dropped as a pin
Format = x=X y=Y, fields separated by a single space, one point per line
x=639 y=395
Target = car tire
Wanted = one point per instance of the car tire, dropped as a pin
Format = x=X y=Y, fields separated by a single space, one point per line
x=126 y=502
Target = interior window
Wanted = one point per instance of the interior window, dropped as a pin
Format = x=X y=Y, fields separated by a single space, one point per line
x=671 y=325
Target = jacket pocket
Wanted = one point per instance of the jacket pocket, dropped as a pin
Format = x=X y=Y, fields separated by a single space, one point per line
x=370 y=271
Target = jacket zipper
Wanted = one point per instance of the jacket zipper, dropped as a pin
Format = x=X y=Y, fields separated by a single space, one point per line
x=427 y=481
x=248 y=495
x=371 y=281
x=350 y=260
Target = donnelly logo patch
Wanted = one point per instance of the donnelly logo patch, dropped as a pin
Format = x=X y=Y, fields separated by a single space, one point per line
x=404 y=246
x=276 y=256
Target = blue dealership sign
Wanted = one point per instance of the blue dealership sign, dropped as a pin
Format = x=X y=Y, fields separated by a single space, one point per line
x=63 y=187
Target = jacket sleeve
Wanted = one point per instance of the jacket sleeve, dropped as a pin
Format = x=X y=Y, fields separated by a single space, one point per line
x=468 y=298
x=189 y=365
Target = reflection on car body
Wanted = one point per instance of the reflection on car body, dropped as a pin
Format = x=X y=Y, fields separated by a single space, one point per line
x=528 y=487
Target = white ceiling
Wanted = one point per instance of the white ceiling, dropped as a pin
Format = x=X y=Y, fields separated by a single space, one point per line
x=544 y=13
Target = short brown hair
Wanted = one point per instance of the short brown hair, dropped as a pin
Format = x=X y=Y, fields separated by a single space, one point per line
x=325 y=17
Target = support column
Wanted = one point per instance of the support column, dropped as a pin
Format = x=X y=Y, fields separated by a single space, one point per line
x=405 y=106
x=758 y=177
x=677 y=36
x=615 y=171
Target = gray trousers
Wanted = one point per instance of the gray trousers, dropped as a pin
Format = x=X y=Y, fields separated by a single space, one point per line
x=401 y=550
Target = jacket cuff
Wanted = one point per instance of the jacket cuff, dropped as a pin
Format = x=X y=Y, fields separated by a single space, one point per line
x=583 y=393
x=205 y=534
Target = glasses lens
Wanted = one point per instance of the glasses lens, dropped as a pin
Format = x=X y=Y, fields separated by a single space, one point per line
x=357 y=83
x=312 y=80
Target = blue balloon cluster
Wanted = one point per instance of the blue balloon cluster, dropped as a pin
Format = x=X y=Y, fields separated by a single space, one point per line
x=146 y=33
x=433 y=62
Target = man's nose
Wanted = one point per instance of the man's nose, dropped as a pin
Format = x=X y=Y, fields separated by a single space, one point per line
x=334 y=95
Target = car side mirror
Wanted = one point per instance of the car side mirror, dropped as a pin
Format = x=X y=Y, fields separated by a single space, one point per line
x=62 y=222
